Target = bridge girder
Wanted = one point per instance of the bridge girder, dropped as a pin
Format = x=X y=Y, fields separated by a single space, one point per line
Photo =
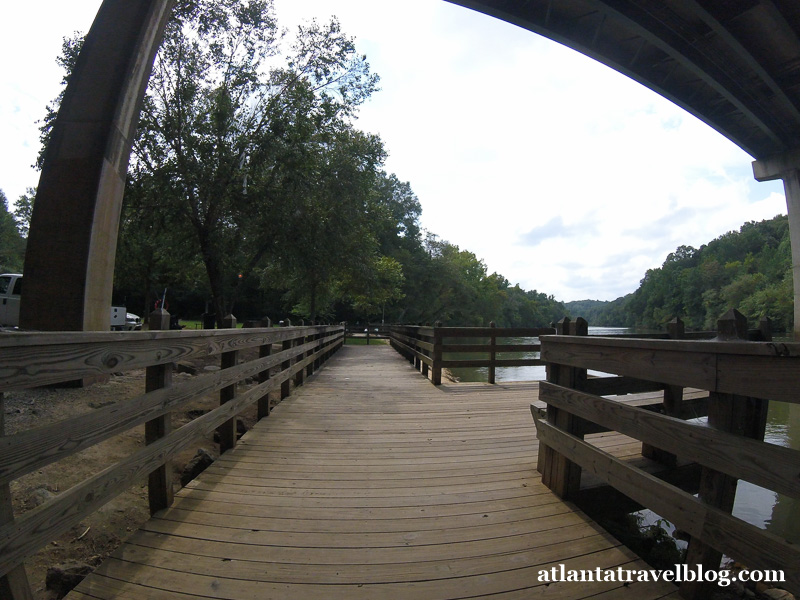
x=734 y=64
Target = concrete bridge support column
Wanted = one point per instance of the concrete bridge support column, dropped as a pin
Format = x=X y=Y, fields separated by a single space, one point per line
x=69 y=265
x=787 y=167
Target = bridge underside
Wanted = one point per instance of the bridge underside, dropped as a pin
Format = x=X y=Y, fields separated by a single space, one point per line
x=369 y=482
x=733 y=64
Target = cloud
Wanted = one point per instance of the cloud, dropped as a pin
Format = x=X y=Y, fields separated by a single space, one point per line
x=554 y=228
x=30 y=41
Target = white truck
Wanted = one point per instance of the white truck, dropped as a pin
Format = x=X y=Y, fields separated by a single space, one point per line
x=11 y=289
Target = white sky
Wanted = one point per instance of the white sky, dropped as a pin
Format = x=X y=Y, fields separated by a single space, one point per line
x=561 y=174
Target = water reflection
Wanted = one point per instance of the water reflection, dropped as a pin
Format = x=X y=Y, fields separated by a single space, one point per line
x=764 y=508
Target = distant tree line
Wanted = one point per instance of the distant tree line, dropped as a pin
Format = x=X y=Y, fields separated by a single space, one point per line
x=749 y=270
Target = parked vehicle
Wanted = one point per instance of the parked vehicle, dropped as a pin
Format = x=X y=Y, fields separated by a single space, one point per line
x=11 y=291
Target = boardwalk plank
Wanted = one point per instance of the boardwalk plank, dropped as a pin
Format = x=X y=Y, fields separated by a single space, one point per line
x=369 y=482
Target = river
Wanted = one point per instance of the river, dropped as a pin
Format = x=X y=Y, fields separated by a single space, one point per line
x=763 y=508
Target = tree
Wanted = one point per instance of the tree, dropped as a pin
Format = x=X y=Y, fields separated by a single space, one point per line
x=24 y=210
x=241 y=141
x=70 y=49
x=325 y=238
x=749 y=269
x=384 y=286
x=12 y=246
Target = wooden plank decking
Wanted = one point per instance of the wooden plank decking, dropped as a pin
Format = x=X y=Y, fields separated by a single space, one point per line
x=371 y=483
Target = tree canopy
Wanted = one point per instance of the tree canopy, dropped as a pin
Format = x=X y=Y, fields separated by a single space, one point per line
x=749 y=270
x=12 y=244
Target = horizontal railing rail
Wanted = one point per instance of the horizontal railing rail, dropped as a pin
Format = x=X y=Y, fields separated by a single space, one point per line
x=368 y=331
x=740 y=377
x=277 y=357
x=426 y=347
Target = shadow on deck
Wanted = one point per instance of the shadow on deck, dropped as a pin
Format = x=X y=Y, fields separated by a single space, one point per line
x=369 y=482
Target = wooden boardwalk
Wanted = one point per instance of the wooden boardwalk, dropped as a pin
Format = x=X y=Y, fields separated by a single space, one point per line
x=371 y=483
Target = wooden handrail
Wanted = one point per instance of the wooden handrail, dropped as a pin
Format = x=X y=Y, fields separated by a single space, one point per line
x=718 y=366
x=740 y=378
x=761 y=549
x=34 y=359
x=767 y=465
x=422 y=346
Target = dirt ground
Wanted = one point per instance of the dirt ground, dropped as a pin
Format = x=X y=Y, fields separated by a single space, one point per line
x=100 y=533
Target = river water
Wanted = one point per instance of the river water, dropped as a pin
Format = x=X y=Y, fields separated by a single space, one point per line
x=763 y=508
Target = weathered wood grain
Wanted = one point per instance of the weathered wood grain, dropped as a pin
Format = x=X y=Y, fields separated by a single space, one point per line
x=759 y=369
x=20 y=538
x=618 y=386
x=35 y=528
x=754 y=547
x=770 y=466
x=27 y=451
x=487 y=362
x=485 y=348
x=369 y=482
x=36 y=359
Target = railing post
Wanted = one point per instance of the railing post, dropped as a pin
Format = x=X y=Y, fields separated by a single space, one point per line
x=310 y=353
x=286 y=386
x=159 y=488
x=673 y=397
x=492 y=353
x=367 y=332
x=436 y=375
x=319 y=338
x=425 y=368
x=13 y=585
x=740 y=415
x=558 y=473
x=300 y=375
x=416 y=351
x=263 y=351
x=227 y=431
x=765 y=329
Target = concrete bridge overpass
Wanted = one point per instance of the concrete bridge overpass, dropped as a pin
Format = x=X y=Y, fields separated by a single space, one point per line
x=735 y=64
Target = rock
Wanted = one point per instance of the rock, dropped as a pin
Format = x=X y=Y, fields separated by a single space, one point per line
x=62 y=578
x=241 y=428
x=776 y=594
x=199 y=463
x=40 y=496
x=186 y=368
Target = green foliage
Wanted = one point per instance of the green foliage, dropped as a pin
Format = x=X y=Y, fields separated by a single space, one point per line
x=23 y=211
x=749 y=270
x=12 y=245
x=247 y=154
x=70 y=49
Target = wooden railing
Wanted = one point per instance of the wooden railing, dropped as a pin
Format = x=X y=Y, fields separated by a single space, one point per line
x=35 y=359
x=367 y=331
x=741 y=378
x=427 y=347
